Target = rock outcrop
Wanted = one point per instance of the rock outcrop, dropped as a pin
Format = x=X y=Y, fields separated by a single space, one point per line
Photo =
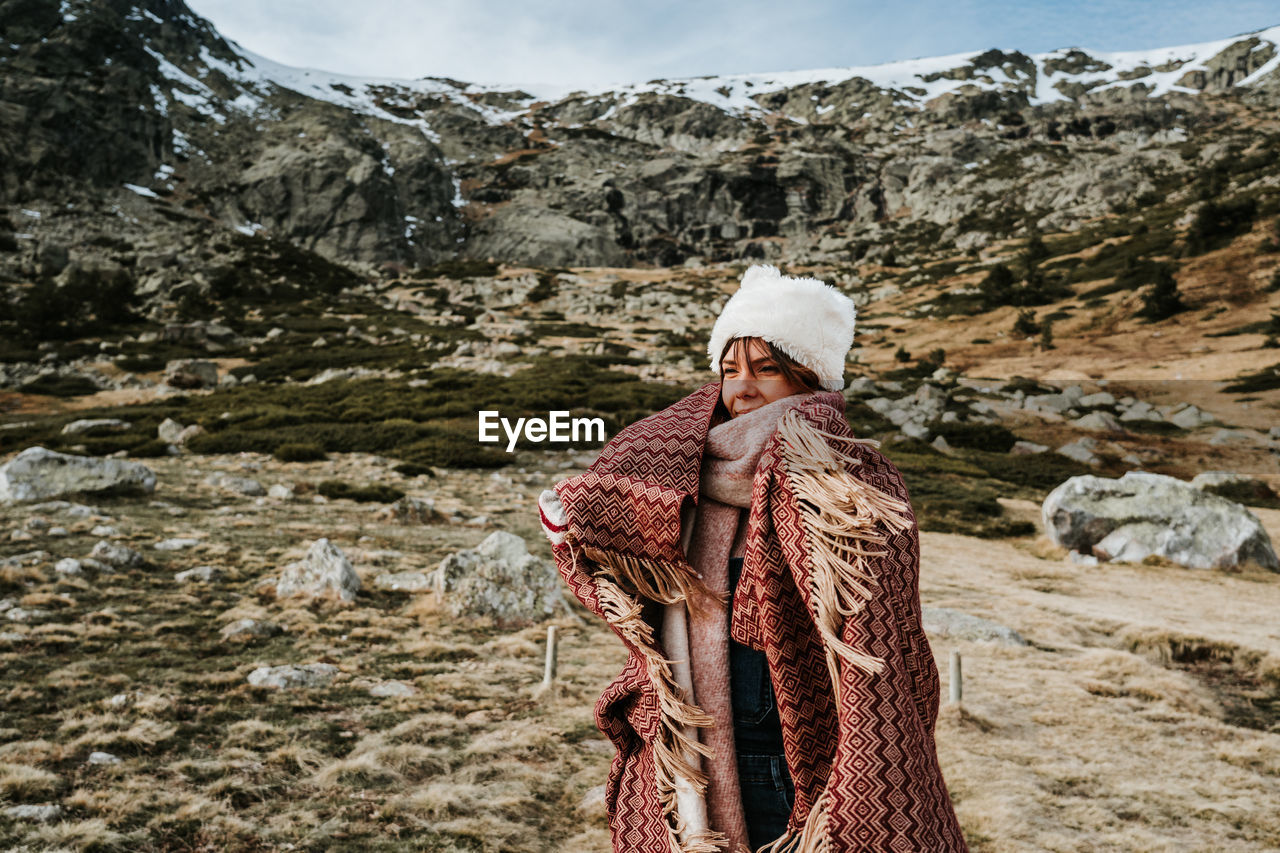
x=39 y=474
x=499 y=578
x=1144 y=514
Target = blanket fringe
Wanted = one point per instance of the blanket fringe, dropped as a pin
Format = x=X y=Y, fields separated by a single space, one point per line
x=675 y=750
x=812 y=837
x=840 y=513
x=663 y=581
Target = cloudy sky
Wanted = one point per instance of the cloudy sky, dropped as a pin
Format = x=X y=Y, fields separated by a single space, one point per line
x=591 y=42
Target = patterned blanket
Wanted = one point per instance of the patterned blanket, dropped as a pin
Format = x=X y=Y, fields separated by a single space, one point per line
x=829 y=591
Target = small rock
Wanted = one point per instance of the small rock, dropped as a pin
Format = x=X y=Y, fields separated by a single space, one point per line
x=95 y=424
x=403 y=581
x=1104 y=421
x=102 y=758
x=306 y=675
x=120 y=556
x=281 y=492
x=244 y=630
x=21 y=614
x=1024 y=448
x=241 y=485
x=104 y=531
x=57 y=532
x=176 y=544
x=191 y=373
x=1081 y=450
x=392 y=688
x=1141 y=410
x=958 y=625
x=68 y=566
x=38 y=813
x=1191 y=417
x=1234 y=437
x=324 y=570
x=410 y=510
x=201 y=574
x=1093 y=401
x=27 y=558
x=593 y=801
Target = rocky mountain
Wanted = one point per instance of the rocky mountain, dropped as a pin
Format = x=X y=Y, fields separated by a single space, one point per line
x=135 y=124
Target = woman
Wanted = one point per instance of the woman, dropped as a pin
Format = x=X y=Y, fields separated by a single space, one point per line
x=761 y=566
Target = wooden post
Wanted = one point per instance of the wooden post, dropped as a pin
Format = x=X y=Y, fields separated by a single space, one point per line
x=957 y=688
x=549 y=674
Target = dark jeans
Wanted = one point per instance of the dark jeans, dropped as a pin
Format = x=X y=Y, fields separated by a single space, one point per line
x=767 y=791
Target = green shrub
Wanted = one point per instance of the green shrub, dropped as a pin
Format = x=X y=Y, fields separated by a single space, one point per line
x=1042 y=472
x=1025 y=324
x=1256 y=493
x=60 y=386
x=992 y=437
x=1217 y=222
x=334 y=489
x=1162 y=300
x=150 y=449
x=461 y=268
x=414 y=469
x=299 y=451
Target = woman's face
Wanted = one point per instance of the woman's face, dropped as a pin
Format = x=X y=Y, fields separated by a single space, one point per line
x=751 y=378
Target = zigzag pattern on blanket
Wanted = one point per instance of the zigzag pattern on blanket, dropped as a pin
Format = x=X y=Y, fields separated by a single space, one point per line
x=865 y=767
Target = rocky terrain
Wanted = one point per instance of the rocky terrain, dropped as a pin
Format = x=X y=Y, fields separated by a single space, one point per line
x=261 y=588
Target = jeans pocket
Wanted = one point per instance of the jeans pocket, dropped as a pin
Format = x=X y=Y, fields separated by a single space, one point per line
x=782 y=782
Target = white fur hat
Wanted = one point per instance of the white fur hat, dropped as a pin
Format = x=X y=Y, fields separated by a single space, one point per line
x=810 y=321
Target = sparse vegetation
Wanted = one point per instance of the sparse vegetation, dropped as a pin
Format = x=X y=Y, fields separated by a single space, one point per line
x=1162 y=300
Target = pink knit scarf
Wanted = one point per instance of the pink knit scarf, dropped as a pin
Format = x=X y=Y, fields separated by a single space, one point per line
x=728 y=469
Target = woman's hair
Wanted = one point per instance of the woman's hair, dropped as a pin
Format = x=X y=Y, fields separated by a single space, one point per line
x=792 y=370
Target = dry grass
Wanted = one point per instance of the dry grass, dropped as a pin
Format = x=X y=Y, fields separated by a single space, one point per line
x=1119 y=727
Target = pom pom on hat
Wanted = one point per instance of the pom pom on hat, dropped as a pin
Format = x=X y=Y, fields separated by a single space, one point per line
x=809 y=320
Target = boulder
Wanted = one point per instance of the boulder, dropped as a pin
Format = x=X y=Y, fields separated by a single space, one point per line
x=38 y=474
x=191 y=373
x=498 y=578
x=1143 y=514
x=958 y=625
x=324 y=571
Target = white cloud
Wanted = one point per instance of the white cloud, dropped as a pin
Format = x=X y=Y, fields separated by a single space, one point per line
x=597 y=42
